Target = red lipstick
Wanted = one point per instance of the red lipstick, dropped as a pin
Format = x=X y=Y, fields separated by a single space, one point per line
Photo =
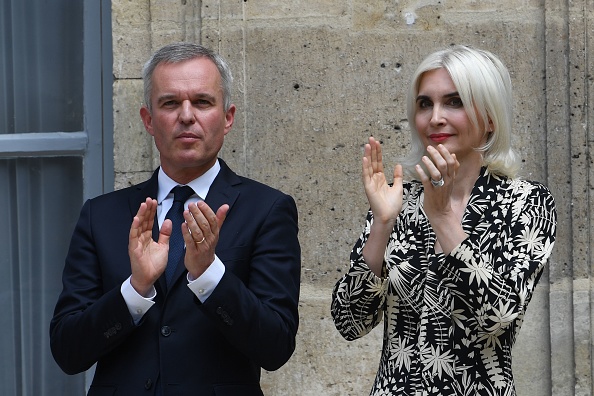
x=439 y=137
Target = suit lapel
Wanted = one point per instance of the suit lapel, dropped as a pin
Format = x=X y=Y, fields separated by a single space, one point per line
x=143 y=190
x=223 y=189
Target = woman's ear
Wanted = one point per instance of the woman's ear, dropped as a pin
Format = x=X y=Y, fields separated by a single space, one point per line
x=491 y=127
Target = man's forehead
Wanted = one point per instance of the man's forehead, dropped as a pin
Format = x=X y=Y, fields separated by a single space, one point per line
x=195 y=64
x=198 y=72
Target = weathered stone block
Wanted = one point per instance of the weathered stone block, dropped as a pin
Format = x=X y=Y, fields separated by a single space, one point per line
x=174 y=22
x=532 y=375
x=131 y=37
x=324 y=363
x=315 y=78
x=133 y=146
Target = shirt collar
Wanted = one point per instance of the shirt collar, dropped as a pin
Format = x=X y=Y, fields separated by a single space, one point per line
x=200 y=185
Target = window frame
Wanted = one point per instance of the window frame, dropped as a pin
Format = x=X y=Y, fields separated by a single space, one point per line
x=95 y=142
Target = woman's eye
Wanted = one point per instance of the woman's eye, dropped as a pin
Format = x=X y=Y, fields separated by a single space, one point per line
x=456 y=102
x=423 y=104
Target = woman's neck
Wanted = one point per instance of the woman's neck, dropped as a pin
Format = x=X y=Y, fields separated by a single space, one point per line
x=465 y=180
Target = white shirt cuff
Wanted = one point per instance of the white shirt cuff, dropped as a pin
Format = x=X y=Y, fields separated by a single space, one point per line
x=206 y=283
x=137 y=305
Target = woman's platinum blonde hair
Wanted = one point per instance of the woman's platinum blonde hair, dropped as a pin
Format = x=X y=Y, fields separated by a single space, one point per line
x=484 y=86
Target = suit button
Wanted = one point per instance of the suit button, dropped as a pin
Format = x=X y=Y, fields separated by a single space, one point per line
x=148 y=384
x=225 y=316
x=165 y=331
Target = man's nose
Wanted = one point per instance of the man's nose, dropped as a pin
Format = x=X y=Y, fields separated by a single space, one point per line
x=186 y=114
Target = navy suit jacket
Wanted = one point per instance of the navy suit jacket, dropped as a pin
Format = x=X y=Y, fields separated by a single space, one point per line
x=191 y=348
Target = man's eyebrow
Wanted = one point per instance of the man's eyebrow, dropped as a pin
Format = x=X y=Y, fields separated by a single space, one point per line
x=201 y=95
x=165 y=97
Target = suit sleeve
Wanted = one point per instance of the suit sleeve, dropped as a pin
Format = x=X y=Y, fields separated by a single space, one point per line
x=88 y=321
x=260 y=316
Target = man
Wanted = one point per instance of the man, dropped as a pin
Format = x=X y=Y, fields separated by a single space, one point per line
x=230 y=306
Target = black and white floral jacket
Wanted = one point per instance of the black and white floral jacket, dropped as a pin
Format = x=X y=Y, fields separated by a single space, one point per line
x=450 y=321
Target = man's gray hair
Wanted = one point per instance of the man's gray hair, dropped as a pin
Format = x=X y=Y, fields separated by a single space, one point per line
x=183 y=51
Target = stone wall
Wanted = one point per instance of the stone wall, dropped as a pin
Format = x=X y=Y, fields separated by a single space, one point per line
x=315 y=78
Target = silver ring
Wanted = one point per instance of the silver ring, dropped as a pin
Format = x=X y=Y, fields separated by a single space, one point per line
x=437 y=183
x=197 y=242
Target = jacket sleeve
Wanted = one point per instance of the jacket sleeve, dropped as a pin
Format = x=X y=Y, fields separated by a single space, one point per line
x=259 y=315
x=88 y=321
x=495 y=271
x=358 y=298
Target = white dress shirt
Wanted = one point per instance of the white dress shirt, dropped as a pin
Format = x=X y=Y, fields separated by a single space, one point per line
x=205 y=284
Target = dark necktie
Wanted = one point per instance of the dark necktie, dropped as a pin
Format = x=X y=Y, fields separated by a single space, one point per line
x=176 y=242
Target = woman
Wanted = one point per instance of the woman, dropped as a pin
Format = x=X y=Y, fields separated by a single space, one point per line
x=449 y=260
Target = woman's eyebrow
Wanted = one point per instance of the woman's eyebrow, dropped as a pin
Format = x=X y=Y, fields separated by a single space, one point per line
x=448 y=95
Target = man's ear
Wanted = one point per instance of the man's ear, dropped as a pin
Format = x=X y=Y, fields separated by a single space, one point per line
x=229 y=118
x=147 y=119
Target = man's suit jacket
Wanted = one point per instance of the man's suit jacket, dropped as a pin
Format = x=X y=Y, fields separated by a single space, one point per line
x=211 y=348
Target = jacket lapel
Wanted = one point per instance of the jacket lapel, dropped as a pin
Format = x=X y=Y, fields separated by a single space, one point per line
x=223 y=191
x=488 y=197
x=143 y=190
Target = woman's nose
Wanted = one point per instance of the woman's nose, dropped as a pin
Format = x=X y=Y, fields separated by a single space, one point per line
x=437 y=116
